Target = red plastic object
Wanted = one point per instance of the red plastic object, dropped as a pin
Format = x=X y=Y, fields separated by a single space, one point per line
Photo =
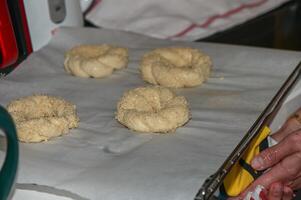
x=8 y=44
x=25 y=27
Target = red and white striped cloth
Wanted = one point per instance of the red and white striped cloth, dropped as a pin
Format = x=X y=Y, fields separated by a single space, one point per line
x=176 y=19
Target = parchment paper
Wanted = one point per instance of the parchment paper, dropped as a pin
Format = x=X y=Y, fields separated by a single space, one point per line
x=104 y=160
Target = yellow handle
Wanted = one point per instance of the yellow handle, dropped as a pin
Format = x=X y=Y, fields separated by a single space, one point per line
x=242 y=174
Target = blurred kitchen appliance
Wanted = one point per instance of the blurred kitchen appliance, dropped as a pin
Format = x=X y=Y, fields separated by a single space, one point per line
x=27 y=25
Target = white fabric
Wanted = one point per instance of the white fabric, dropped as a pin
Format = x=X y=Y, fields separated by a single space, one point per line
x=104 y=160
x=165 y=19
x=255 y=195
x=271 y=141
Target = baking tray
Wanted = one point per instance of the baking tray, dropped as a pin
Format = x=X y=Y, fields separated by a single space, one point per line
x=103 y=160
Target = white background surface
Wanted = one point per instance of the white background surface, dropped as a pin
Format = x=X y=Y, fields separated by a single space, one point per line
x=102 y=159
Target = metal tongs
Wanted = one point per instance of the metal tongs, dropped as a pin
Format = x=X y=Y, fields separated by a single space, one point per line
x=214 y=181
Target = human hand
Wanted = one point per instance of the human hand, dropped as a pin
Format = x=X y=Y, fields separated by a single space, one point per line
x=283 y=162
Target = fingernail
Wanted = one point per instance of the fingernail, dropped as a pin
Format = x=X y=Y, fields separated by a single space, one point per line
x=257 y=163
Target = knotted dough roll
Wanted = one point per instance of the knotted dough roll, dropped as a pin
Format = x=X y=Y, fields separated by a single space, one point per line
x=152 y=109
x=175 y=67
x=95 y=61
x=40 y=117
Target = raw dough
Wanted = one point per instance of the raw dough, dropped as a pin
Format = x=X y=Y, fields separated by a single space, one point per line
x=41 y=117
x=175 y=67
x=95 y=61
x=152 y=109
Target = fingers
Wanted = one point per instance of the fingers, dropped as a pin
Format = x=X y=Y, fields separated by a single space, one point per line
x=284 y=161
x=286 y=170
x=275 y=154
x=296 y=184
x=276 y=191
x=288 y=193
